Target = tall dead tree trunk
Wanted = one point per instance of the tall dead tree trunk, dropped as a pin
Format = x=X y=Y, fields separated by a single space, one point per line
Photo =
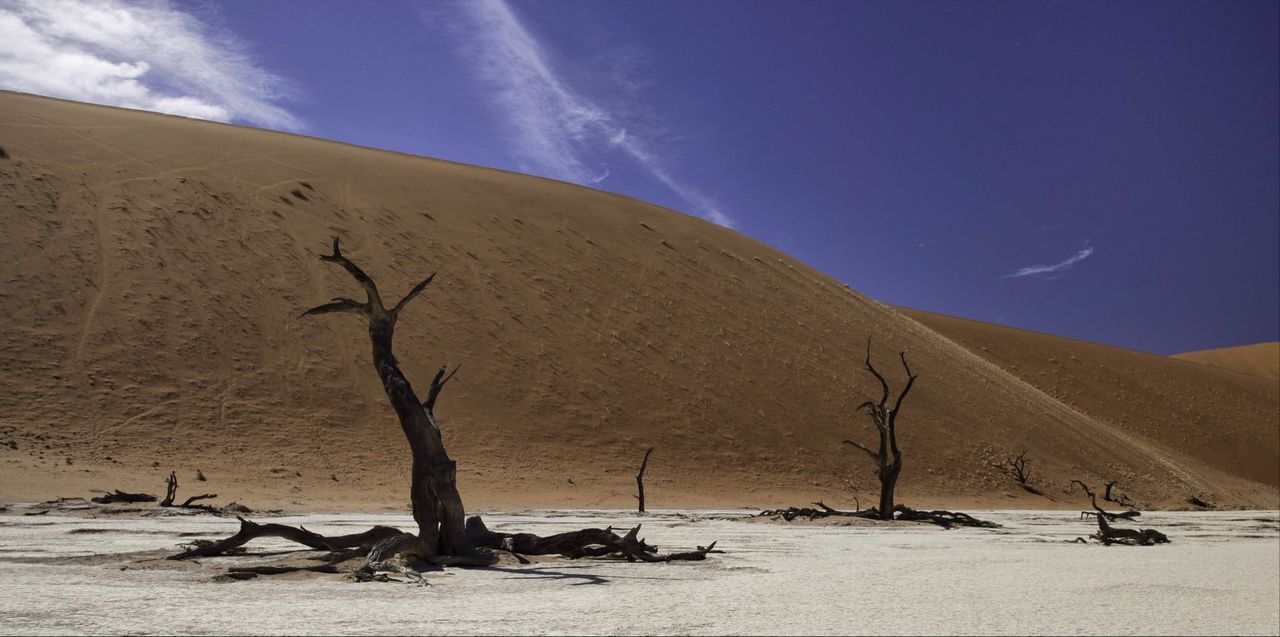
x=887 y=458
x=640 y=479
x=437 y=507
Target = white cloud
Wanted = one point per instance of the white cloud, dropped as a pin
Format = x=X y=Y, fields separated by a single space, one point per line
x=145 y=55
x=1048 y=271
x=555 y=126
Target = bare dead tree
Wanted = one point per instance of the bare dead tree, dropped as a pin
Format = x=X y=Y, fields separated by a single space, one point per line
x=1016 y=467
x=887 y=458
x=640 y=479
x=444 y=535
x=888 y=464
x=171 y=493
x=1111 y=494
x=170 y=490
x=437 y=507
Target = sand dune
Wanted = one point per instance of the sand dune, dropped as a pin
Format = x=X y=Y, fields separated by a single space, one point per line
x=1216 y=417
x=1259 y=359
x=154 y=269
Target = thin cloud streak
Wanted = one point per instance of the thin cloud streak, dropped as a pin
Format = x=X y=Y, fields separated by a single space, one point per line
x=145 y=55
x=1046 y=271
x=554 y=125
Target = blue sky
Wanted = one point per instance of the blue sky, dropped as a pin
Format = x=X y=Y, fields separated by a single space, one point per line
x=1106 y=171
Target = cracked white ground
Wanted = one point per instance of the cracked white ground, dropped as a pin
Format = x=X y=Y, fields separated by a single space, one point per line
x=1220 y=575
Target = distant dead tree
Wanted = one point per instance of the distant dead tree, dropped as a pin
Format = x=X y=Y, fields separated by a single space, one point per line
x=445 y=536
x=640 y=480
x=1016 y=467
x=1117 y=497
x=171 y=492
x=887 y=458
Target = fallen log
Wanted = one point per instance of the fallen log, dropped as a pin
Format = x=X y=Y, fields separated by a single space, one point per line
x=121 y=496
x=823 y=511
x=280 y=570
x=944 y=519
x=903 y=513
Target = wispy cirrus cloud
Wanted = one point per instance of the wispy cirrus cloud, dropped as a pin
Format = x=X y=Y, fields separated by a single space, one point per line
x=556 y=127
x=146 y=54
x=1051 y=271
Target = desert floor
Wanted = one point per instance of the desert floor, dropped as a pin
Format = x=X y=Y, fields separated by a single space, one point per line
x=1218 y=576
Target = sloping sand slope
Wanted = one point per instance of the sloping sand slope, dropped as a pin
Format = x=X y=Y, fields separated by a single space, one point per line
x=154 y=269
x=1218 y=417
x=1259 y=359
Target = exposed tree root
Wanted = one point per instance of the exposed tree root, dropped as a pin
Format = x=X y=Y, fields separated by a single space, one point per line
x=823 y=511
x=389 y=551
x=251 y=530
x=944 y=519
x=278 y=570
x=903 y=513
x=579 y=544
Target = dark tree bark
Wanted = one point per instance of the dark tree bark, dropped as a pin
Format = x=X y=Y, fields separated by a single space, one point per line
x=640 y=479
x=1016 y=467
x=1093 y=500
x=121 y=496
x=580 y=543
x=1109 y=535
x=887 y=458
x=251 y=530
x=171 y=492
x=437 y=507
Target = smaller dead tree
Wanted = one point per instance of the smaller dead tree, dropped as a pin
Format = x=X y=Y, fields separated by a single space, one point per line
x=1118 y=498
x=887 y=458
x=888 y=464
x=640 y=480
x=1016 y=467
x=171 y=493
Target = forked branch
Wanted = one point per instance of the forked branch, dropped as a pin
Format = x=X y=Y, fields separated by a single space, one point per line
x=370 y=288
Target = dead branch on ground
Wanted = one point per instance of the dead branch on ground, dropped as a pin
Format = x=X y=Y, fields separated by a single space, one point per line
x=121 y=496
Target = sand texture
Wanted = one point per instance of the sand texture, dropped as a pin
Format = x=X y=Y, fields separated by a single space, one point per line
x=154 y=269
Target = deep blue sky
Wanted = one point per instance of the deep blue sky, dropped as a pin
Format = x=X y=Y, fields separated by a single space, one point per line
x=925 y=153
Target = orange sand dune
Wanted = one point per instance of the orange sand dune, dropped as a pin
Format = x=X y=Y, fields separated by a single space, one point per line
x=154 y=269
x=1259 y=359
